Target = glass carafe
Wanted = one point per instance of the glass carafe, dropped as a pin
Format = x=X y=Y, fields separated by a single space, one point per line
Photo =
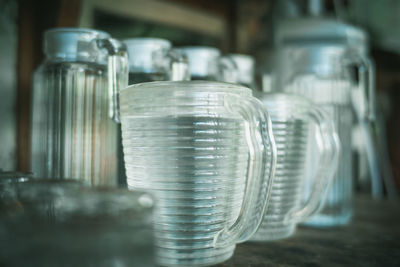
x=207 y=63
x=321 y=72
x=320 y=32
x=206 y=152
x=292 y=116
x=61 y=223
x=75 y=106
x=245 y=65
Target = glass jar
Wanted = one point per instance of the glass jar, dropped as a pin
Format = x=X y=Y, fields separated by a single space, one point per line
x=153 y=59
x=320 y=73
x=75 y=106
x=207 y=63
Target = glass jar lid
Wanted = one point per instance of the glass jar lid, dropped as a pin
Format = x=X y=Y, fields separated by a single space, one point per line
x=74 y=44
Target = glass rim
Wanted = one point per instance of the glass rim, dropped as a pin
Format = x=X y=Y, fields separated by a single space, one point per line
x=199 y=49
x=192 y=86
x=76 y=30
x=146 y=40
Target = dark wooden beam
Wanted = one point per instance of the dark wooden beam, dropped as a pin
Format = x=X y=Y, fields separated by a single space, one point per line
x=25 y=66
x=34 y=18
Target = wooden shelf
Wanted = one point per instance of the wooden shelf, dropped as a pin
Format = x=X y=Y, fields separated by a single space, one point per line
x=372 y=239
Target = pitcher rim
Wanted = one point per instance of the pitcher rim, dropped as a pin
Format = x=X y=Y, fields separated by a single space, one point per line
x=212 y=86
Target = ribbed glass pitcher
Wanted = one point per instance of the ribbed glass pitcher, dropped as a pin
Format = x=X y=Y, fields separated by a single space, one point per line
x=75 y=106
x=292 y=117
x=321 y=73
x=207 y=64
x=206 y=152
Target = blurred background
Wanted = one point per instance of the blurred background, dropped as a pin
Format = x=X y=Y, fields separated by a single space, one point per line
x=234 y=26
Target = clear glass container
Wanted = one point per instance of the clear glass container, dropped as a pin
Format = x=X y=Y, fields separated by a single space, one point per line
x=75 y=106
x=292 y=117
x=206 y=152
x=322 y=31
x=61 y=223
x=207 y=63
x=320 y=73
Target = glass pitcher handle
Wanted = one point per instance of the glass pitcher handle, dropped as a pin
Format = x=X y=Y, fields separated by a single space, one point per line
x=366 y=73
x=179 y=66
x=371 y=89
x=228 y=71
x=365 y=113
x=324 y=174
x=117 y=73
x=260 y=172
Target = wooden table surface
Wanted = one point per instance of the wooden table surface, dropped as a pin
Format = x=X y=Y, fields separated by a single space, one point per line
x=371 y=239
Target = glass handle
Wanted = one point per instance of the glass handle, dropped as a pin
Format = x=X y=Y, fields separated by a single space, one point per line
x=329 y=146
x=117 y=73
x=260 y=172
x=371 y=89
x=179 y=66
x=363 y=96
x=363 y=100
x=366 y=72
x=228 y=71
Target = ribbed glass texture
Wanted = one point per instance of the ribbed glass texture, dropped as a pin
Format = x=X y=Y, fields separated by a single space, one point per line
x=191 y=151
x=333 y=96
x=134 y=78
x=72 y=134
x=290 y=123
x=195 y=165
x=291 y=142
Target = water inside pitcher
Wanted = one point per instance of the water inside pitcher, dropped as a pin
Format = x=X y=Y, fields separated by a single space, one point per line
x=150 y=60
